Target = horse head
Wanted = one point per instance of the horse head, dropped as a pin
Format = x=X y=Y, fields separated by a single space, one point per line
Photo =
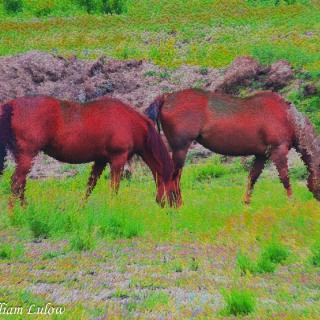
x=169 y=191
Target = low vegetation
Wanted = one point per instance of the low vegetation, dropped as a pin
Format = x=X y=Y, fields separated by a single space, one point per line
x=169 y=33
x=212 y=256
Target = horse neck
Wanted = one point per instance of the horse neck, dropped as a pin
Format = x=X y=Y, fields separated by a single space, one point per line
x=156 y=156
x=154 y=165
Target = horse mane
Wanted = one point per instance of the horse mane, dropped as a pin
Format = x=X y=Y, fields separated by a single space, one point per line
x=306 y=137
x=160 y=152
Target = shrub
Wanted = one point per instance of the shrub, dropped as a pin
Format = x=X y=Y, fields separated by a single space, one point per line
x=12 y=6
x=80 y=242
x=299 y=173
x=5 y=252
x=238 y=303
x=264 y=265
x=117 y=228
x=275 y=253
x=88 y=5
x=113 y=6
x=39 y=228
x=315 y=258
x=245 y=264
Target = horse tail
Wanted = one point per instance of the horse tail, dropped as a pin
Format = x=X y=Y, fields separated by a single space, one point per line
x=308 y=144
x=153 y=111
x=160 y=152
x=7 y=138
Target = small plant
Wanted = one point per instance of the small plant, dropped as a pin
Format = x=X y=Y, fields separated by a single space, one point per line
x=164 y=75
x=81 y=242
x=264 y=265
x=315 y=258
x=299 y=173
x=245 y=264
x=117 y=228
x=39 y=229
x=50 y=255
x=238 y=303
x=155 y=299
x=150 y=73
x=211 y=171
x=88 y=5
x=177 y=267
x=120 y=293
x=203 y=70
x=276 y=253
x=194 y=265
x=114 y=6
x=5 y=252
x=10 y=251
x=12 y=6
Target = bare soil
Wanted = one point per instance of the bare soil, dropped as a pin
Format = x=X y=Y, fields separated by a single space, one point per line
x=135 y=82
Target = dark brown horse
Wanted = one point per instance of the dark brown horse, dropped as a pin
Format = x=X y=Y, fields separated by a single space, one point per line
x=264 y=125
x=103 y=131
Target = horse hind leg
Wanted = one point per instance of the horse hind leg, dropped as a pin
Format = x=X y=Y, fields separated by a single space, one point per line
x=279 y=156
x=95 y=174
x=179 y=157
x=256 y=169
x=18 y=179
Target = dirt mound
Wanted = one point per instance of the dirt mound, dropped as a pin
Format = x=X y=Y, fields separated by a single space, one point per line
x=279 y=75
x=241 y=73
x=135 y=82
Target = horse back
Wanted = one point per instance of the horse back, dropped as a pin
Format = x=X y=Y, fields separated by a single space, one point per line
x=35 y=119
x=226 y=124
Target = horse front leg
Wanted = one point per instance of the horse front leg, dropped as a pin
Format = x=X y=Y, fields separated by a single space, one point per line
x=117 y=165
x=18 y=179
x=256 y=169
x=279 y=157
x=95 y=174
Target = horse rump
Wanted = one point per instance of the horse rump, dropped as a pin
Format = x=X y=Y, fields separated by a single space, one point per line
x=7 y=138
x=153 y=111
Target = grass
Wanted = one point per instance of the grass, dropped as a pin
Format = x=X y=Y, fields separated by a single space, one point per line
x=139 y=259
x=238 y=303
x=169 y=33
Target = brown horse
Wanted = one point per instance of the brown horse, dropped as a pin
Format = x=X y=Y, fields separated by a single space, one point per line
x=103 y=131
x=264 y=125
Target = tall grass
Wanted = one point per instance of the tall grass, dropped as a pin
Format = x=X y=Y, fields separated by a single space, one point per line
x=170 y=33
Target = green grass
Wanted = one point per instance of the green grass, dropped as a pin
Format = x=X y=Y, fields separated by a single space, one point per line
x=161 y=257
x=170 y=33
x=238 y=303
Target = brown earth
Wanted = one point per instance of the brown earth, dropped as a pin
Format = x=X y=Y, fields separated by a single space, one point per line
x=135 y=82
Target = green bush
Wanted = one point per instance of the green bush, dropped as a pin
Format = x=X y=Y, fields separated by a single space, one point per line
x=245 y=264
x=12 y=6
x=238 y=303
x=114 y=6
x=89 y=5
x=39 y=229
x=264 y=265
x=5 y=252
x=81 y=242
x=274 y=2
x=315 y=258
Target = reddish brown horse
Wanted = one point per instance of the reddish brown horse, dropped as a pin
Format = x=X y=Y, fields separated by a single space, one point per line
x=103 y=131
x=264 y=125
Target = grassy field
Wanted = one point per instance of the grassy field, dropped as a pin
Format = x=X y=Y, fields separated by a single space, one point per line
x=125 y=257
x=171 y=33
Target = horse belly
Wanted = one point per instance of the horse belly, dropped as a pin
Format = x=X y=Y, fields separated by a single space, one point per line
x=233 y=140
x=76 y=149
